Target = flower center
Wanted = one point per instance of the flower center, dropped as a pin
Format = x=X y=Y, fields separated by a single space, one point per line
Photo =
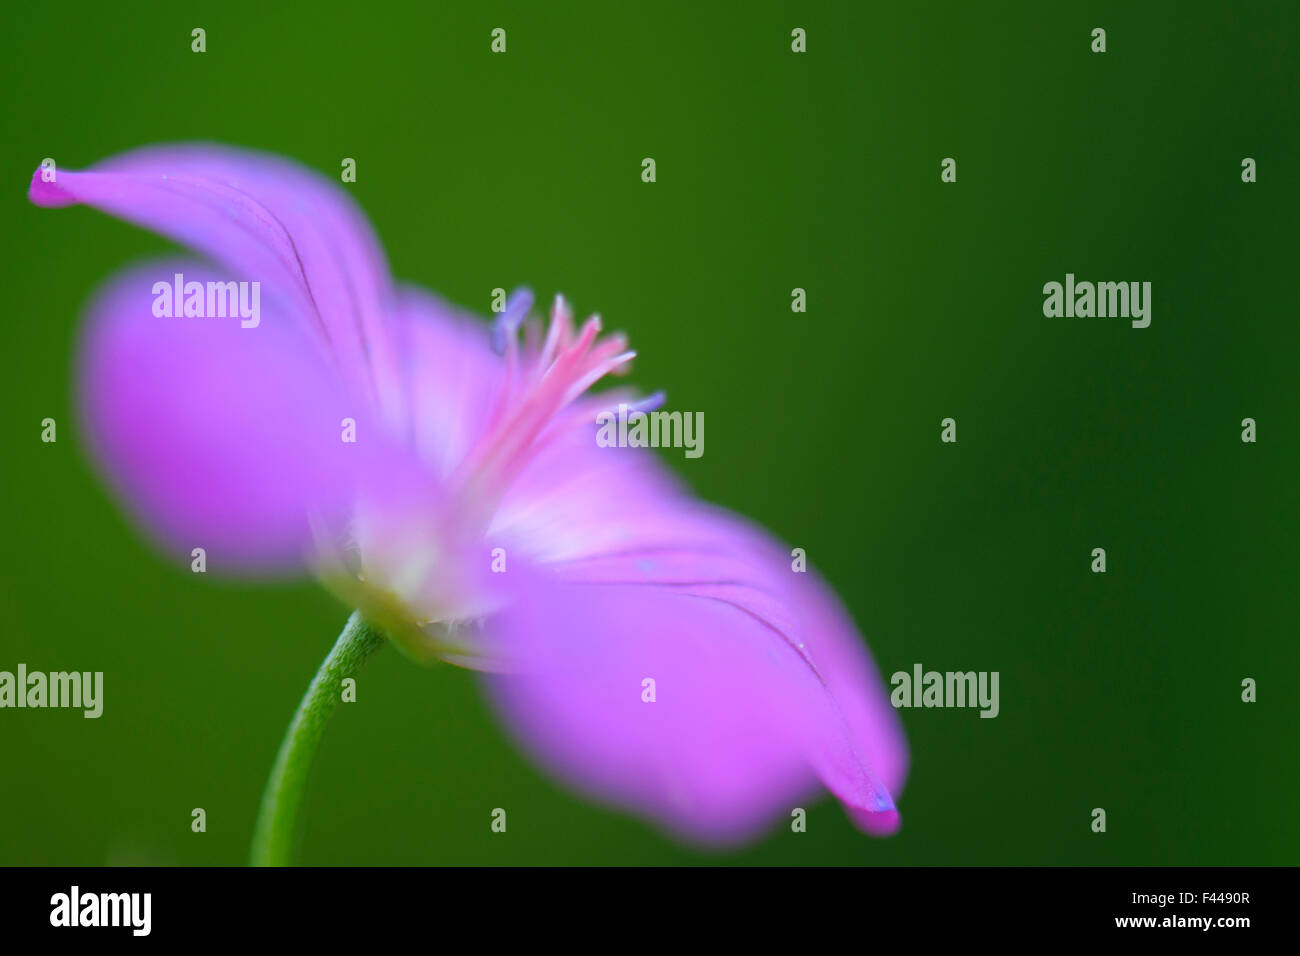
x=410 y=575
x=542 y=381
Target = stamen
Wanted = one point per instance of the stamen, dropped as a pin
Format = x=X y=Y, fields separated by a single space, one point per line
x=650 y=403
x=507 y=323
x=599 y=371
x=559 y=334
x=534 y=405
x=505 y=341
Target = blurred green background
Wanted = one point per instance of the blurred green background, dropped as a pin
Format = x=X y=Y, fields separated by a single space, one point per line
x=775 y=171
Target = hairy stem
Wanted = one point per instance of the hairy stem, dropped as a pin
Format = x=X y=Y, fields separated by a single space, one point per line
x=273 y=835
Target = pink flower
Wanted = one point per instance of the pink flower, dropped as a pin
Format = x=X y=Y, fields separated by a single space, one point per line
x=231 y=436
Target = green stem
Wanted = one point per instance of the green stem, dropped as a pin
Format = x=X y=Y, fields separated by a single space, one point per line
x=273 y=835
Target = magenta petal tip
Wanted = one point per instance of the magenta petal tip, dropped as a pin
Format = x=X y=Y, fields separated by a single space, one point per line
x=878 y=824
x=47 y=194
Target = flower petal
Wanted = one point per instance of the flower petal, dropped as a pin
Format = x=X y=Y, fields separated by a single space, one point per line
x=763 y=686
x=271 y=221
x=452 y=377
x=218 y=436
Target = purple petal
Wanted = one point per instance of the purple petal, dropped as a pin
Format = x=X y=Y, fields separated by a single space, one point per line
x=268 y=220
x=218 y=436
x=575 y=500
x=763 y=686
x=452 y=377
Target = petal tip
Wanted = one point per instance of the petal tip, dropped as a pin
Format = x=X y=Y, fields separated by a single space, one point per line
x=47 y=193
x=880 y=823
